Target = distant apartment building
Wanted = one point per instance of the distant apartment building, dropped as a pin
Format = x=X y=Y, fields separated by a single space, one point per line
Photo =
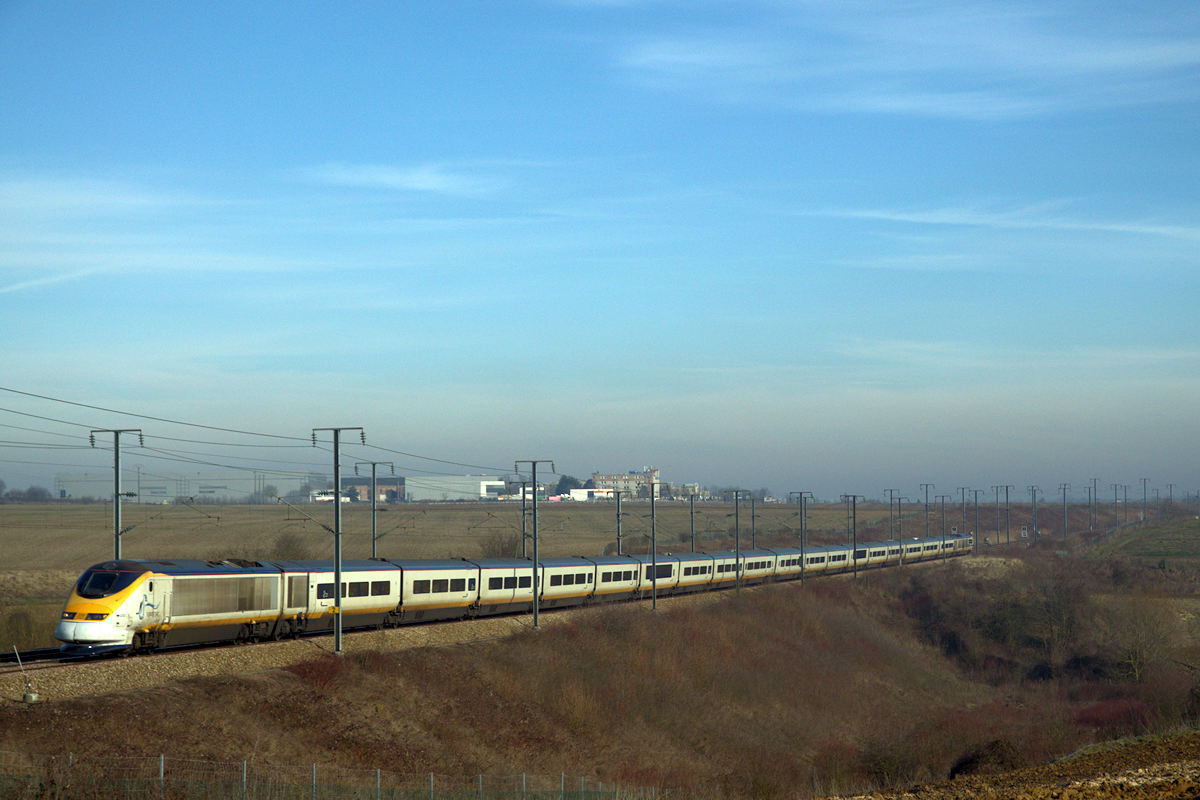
x=630 y=484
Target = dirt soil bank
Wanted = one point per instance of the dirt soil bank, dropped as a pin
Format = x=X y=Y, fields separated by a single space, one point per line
x=1158 y=768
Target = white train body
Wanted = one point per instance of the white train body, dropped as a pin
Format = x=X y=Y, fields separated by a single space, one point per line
x=135 y=604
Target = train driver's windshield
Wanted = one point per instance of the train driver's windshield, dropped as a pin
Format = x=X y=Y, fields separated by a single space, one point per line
x=109 y=578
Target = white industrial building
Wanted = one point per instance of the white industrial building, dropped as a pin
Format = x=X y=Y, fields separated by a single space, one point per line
x=446 y=488
x=143 y=486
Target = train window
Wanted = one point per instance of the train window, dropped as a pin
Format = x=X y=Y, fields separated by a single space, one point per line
x=524 y=582
x=581 y=577
x=101 y=583
x=556 y=580
x=568 y=580
x=380 y=588
x=324 y=591
x=590 y=577
x=297 y=587
x=359 y=589
x=441 y=585
x=628 y=574
x=458 y=584
x=495 y=583
x=606 y=577
x=420 y=587
x=510 y=583
x=471 y=585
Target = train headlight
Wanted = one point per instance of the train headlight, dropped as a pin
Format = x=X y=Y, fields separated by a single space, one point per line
x=97 y=616
x=68 y=615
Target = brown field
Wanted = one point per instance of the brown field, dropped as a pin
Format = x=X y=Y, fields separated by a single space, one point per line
x=971 y=668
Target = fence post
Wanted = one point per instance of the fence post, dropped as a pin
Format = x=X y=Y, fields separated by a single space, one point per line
x=377 y=785
x=161 y=764
x=314 y=782
x=523 y=783
x=431 y=786
x=562 y=785
x=243 y=780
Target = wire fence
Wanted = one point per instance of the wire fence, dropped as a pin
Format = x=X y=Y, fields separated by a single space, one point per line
x=50 y=777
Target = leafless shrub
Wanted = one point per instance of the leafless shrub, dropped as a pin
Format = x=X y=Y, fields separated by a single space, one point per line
x=501 y=545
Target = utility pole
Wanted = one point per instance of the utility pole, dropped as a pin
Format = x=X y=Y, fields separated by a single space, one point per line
x=1095 y=504
x=1063 y=488
x=943 y=498
x=337 y=528
x=374 y=497
x=1033 y=490
x=1116 y=507
x=753 y=538
x=524 y=520
x=1145 y=509
x=900 y=526
x=891 y=492
x=927 y=487
x=1089 y=498
x=803 y=526
x=852 y=503
x=117 y=530
x=533 y=463
x=963 y=491
x=976 y=492
x=996 y=489
x=617 y=493
x=653 y=552
x=737 y=536
x=1007 y=517
x=692 y=519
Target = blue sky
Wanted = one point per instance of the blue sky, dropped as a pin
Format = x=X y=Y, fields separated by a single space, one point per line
x=838 y=246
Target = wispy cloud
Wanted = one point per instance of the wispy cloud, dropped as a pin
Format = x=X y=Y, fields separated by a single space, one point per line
x=1037 y=217
x=35 y=283
x=426 y=178
x=976 y=61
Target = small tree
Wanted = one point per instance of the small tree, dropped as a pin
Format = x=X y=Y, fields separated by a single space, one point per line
x=566 y=483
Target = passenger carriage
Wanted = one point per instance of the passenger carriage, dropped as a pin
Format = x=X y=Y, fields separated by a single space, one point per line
x=789 y=563
x=695 y=572
x=663 y=582
x=758 y=566
x=436 y=589
x=370 y=595
x=567 y=581
x=616 y=577
x=505 y=585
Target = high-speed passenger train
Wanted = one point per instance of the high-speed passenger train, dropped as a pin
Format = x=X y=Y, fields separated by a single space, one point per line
x=143 y=604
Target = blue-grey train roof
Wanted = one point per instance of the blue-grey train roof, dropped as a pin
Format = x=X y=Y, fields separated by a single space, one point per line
x=744 y=553
x=195 y=566
x=567 y=561
x=357 y=565
x=419 y=564
x=504 y=563
x=609 y=561
x=646 y=558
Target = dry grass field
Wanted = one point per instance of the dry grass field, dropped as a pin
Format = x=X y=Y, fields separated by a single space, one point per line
x=69 y=536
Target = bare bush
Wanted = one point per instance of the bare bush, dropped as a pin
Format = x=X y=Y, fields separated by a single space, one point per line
x=501 y=545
